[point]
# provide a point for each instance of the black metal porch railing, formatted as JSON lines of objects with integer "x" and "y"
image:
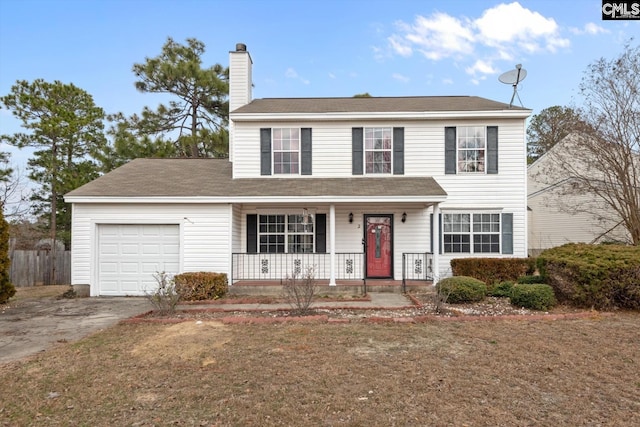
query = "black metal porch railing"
{"x": 416, "y": 266}
{"x": 349, "y": 266}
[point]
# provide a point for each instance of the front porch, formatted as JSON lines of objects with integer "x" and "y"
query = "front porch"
{"x": 349, "y": 287}
{"x": 338, "y": 273}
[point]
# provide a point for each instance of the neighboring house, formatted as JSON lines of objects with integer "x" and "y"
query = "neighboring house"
{"x": 557, "y": 213}
{"x": 355, "y": 187}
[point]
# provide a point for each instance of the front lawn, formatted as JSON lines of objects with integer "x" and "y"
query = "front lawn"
{"x": 570, "y": 372}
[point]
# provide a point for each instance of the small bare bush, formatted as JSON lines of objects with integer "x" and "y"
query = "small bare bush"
{"x": 164, "y": 298}
{"x": 440, "y": 297}
{"x": 300, "y": 290}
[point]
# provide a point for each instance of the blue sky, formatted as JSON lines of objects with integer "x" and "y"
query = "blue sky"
{"x": 314, "y": 48}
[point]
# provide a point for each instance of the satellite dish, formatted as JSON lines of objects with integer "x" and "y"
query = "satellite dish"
{"x": 514, "y": 77}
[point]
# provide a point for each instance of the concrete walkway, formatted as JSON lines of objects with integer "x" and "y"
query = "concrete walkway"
{"x": 378, "y": 300}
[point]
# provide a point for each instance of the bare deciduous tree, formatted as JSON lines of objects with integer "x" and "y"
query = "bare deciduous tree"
{"x": 14, "y": 195}
{"x": 599, "y": 167}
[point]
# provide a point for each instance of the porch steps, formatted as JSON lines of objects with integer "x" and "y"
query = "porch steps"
{"x": 352, "y": 287}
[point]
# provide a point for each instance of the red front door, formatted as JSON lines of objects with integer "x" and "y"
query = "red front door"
{"x": 378, "y": 248}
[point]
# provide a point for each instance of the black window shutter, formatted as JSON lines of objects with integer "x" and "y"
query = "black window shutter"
{"x": 439, "y": 230}
{"x": 431, "y": 231}
{"x": 492, "y": 149}
{"x": 398, "y": 151}
{"x": 265, "y": 151}
{"x": 441, "y": 235}
{"x": 449, "y": 150}
{"x": 321, "y": 233}
{"x": 507, "y": 233}
{"x": 306, "y": 154}
{"x": 357, "y": 137}
{"x": 252, "y": 234}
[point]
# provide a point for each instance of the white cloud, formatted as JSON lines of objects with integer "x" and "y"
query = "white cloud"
{"x": 505, "y": 32}
{"x": 400, "y": 77}
{"x": 589, "y": 28}
{"x": 481, "y": 67}
{"x": 511, "y": 25}
{"x": 332, "y": 76}
{"x": 436, "y": 37}
{"x": 400, "y": 46}
{"x": 447, "y": 81}
{"x": 293, "y": 74}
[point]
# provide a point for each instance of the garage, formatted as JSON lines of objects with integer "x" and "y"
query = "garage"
{"x": 130, "y": 254}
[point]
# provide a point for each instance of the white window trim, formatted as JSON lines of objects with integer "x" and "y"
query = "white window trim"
{"x": 299, "y": 151}
{"x": 364, "y": 151}
{"x": 286, "y": 232}
{"x": 458, "y": 149}
{"x": 471, "y": 233}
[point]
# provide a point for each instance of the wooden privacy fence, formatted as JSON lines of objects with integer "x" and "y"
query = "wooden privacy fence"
{"x": 33, "y": 268}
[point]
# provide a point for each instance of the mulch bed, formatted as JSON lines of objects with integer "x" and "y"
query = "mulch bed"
{"x": 420, "y": 309}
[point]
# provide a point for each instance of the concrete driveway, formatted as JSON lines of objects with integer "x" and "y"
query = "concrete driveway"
{"x": 33, "y": 325}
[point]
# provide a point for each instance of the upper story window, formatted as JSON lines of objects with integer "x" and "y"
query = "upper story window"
{"x": 471, "y": 233}
{"x": 471, "y": 149}
{"x": 377, "y": 150}
{"x": 286, "y": 150}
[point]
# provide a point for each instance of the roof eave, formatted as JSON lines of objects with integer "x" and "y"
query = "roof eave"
{"x": 438, "y": 198}
{"x": 411, "y": 115}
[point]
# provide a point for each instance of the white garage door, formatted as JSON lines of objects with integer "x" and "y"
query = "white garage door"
{"x": 129, "y": 256}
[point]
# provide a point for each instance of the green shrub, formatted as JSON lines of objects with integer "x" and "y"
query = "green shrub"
{"x": 7, "y": 290}
{"x": 533, "y": 296}
{"x": 599, "y": 276}
{"x": 462, "y": 289}
{"x": 201, "y": 285}
{"x": 524, "y": 280}
{"x": 493, "y": 270}
{"x": 502, "y": 289}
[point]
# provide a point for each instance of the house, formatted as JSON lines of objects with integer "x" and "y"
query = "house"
{"x": 354, "y": 187}
{"x": 559, "y": 214}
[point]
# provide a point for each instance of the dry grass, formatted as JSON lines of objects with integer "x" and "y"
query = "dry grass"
{"x": 515, "y": 373}
{"x": 37, "y": 292}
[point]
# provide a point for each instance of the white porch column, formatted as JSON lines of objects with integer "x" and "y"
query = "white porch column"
{"x": 332, "y": 245}
{"x": 436, "y": 243}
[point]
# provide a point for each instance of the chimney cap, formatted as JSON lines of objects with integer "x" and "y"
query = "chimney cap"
{"x": 241, "y": 47}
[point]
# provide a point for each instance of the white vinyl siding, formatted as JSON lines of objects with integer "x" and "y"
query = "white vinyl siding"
{"x": 205, "y": 234}
{"x": 504, "y": 192}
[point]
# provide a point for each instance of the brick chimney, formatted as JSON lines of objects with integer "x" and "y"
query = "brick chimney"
{"x": 239, "y": 77}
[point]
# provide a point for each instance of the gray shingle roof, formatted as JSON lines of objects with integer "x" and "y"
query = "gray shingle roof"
{"x": 373, "y": 105}
{"x": 212, "y": 178}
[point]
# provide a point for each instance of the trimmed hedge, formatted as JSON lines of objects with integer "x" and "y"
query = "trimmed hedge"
{"x": 600, "y": 276}
{"x": 533, "y": 296}
{"x": 201, "y": 285}
{"x": 462, "y": 289}
{"x": 493, "y": 270}
{"x": 502, "y": 289}
{"x": 524, "y": 280}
